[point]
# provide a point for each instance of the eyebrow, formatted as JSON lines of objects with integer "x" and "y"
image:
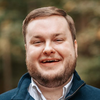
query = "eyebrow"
{"x": 57, "y": 34}
{"x": 39, "y": 36}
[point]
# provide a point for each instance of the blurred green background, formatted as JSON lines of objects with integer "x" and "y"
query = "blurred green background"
{"x": 86, "y": 14}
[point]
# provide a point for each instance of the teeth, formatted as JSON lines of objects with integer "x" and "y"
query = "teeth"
{"x": 56, "y": 60}
{"x": 43, "y": 61}
{"x": 50, "y": 61}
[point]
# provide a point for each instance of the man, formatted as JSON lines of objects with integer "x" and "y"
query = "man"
{"x": 51, "y": 54}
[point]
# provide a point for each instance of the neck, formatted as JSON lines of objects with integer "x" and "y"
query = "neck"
{"x": 52, "y": 93}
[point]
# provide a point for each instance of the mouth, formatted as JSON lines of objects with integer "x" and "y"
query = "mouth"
{"x": 50, "y": 61}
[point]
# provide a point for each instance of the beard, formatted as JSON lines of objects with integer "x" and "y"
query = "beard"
{"x": 52, "y": 81}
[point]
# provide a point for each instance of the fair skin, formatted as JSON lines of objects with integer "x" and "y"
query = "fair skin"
{"x": 50, "y": 54}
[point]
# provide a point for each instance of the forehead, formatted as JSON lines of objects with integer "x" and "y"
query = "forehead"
{"x": 54, "y": 19}
{"x": 50, "y": 24}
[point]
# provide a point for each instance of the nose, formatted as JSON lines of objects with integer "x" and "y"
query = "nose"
{"x": 48, "y": 49}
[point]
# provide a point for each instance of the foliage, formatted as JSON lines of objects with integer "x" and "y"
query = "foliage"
{"x": 87, "y": 19}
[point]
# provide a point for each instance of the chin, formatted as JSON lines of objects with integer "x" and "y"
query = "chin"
{"x": 51, "y": 78}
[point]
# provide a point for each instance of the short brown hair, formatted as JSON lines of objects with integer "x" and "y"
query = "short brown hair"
{"x": 48, "y": 11}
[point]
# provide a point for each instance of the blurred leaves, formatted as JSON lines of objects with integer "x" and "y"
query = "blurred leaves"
{"x": 86, "y": 15}
{"x": 83, "y": 7}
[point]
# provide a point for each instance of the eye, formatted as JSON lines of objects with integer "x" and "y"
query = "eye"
{"x": 37, "y": 42}
{"x": 58, "y": 40}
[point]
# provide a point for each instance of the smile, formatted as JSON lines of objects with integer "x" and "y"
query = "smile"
{"x": 50, "y": 61}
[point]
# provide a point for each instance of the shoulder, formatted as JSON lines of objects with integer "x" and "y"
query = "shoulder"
{"x": 90, "y": 92}
{"x": 7, "y": 95}
{"x": 21, "y": 88}
{"x": 91, "y": 89}
{"x": 82, "y": 91}
{"x": 88, "y": 88}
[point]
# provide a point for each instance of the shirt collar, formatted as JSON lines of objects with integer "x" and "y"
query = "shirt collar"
{"x": 66, "y": 88}
{"x": 34, "y": 85}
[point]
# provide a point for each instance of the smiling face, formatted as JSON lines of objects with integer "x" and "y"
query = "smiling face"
{"x": 50, "y": 51}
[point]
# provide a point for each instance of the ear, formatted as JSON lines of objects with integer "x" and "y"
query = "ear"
{"x": 76, "y": 47}
{"x": 25, "y": 46}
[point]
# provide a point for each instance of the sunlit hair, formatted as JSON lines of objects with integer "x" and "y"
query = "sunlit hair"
{"x": 48, "y": 11}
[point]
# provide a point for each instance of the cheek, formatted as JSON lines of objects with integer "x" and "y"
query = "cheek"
{"x": 63, "y": 50}
{"x": 33, "y": 53}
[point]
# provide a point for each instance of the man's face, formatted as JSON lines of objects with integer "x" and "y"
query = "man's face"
{"x": 50, "y": 52}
